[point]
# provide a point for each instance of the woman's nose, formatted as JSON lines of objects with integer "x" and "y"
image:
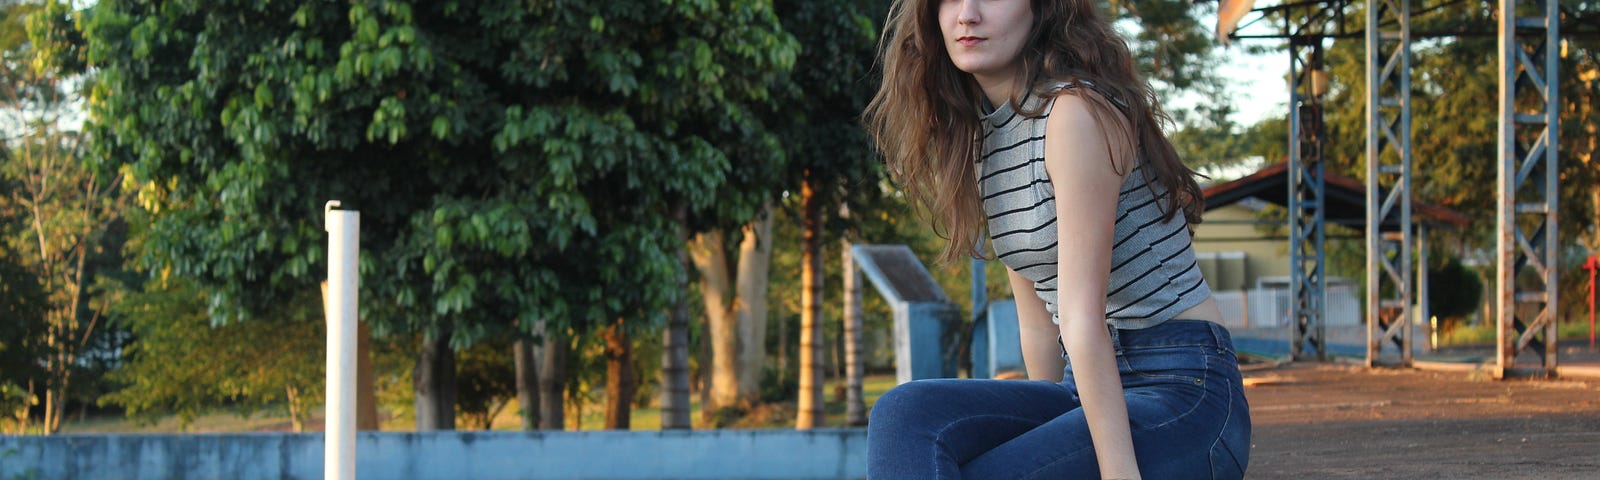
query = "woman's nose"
{"x": 968, "y": 13}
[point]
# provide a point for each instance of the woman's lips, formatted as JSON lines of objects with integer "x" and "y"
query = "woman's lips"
{"x": 969, "y": 41}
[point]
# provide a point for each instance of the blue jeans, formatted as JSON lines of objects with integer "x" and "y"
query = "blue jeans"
{"x": 1186, "y": 407}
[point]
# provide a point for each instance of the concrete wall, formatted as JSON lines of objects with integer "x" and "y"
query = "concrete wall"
{"x": 751, "y": 454}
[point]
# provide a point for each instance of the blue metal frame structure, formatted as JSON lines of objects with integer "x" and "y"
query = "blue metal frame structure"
{"x": 1530, "y": 42}
{"x": 1311, "y": 24}
{"x": 1389, "y": 285}
{"x": 1528, "y": 168}
{"x": 1307, "y": 185}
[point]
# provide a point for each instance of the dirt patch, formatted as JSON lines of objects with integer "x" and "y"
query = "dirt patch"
{"x": 1331, "y": 421}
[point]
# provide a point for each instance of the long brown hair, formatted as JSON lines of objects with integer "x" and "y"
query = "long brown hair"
{"x": 924, "y": 118}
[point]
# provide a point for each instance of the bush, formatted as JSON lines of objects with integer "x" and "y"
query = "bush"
{"x": 778, "y": 386}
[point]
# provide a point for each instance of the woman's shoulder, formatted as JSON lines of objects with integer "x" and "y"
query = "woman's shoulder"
{"x": 1082, "y": 100}
{"x": 1080, "y": 111}
{"x": 1082, "y": 87}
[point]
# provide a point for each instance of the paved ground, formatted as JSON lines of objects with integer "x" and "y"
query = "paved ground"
{"x": 1340, "y": 421}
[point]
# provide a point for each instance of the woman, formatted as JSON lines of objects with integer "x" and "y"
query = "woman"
{"x": 1026, "y": 117}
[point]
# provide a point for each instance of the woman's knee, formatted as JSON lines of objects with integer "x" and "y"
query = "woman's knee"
{"x": 912, "y": 401}
{"x": 906, "y": 397}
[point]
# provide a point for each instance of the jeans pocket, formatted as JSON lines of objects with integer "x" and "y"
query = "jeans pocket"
{"x": 1181, "y": 365}
{"x": 1165, "y": 384}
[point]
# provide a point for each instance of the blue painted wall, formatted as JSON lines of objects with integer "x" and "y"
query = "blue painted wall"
{"x": 707, "y": 454}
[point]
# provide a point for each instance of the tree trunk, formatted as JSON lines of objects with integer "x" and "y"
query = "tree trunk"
{"x": 711, "y": 260}
{"x": 62, "y": 265}
{"x": 1594, "y": 202}
{"x": 56, "y": 386}
{"x": 297, "y": 421}
{"x": 783, "y": 345}
{"x": 434, "y": 383}
{"x": 810, "y": 414}
{"x": 675, "y": 354}
{"x": 527, "y": 383}
{"x": 552, "y": 379}
{"x": 755, "y": 265}
{"x": 855, "y": 406}
{"x": 19, "y": 417}
{"x": 619, "y": 377}
{"x": 366, "y": 382}
{"x": 707, "y": 413}
{"x": 63, "y": 341}
{"x": 736, "y": 310}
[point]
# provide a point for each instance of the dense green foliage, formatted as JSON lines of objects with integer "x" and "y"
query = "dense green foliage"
{"x": 61, "y": 222}
{"x": 181, "y": 364}
{"x": 511, "y": 161}
{"x": 1454, "y": 291}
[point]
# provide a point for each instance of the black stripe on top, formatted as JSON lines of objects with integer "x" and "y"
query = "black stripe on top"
{"x": 1026, "y": 141}
{"x": 1020, "y": 209}
{"x": 1151, "y": 247}
{"x": 1156, "y": 290}
{"x": 1130, "y": 259}
{"x": 1015, "y": 189}
{"x": 1010, "y": 168}
{"x": 1029, "y": 250}
{"x": 1140, "y": 229}
{"x": 1025, "y": 230}
{"x": 1198, "y": 282}
{"x": 1008, "y": 120}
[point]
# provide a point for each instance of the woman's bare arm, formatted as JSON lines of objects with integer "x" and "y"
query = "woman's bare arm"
{"x": 1086, "y": 183}
{"x": 1041, "y": 355}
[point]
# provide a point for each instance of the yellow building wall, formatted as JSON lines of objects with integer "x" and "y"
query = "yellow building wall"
{"x": 1264, "y": 257}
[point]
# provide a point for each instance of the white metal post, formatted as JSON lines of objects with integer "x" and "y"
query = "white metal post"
{"x": 344, "y": 251}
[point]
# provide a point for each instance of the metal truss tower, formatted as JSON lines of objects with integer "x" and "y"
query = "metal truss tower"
{"x": 1307, "y": 240}
{"x": 1528, "y": 185}
{"x": 1389, "y": 285}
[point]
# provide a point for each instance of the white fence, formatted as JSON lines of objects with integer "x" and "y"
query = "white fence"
{"x": 1268, "y": 305}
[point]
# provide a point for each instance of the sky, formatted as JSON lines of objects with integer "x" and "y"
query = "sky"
{"x": 1257, "y": 84}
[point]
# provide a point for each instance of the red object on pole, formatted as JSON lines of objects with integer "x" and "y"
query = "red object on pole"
{"x": 1593, "y": 266}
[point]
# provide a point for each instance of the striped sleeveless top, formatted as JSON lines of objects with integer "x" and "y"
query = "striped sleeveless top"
{"x": 1154, "y": 275}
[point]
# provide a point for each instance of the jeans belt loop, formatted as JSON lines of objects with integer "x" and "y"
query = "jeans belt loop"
{"x": 1116, "y": 339}
{"x": 1219, "y": 336}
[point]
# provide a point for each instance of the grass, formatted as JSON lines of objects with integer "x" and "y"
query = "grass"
{"x": 1485, "y": 333}
{"x": 649, "y": 418}
{"x": 222, "y": 420}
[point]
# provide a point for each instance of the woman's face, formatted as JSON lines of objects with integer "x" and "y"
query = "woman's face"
{"x": 985, "y": 37}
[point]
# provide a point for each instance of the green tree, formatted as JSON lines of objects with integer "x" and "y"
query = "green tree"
{"x": 513, "y": 162}
{"x": 184, "y": 364}
{"x": 828, "y": 152}
{"x": 486, "y": 376}
{"x": 66, "y": 203}
{"x": 1170, "y": 44}
{"x": 1454, "y": 290}
{"x": 23, "y": 304}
